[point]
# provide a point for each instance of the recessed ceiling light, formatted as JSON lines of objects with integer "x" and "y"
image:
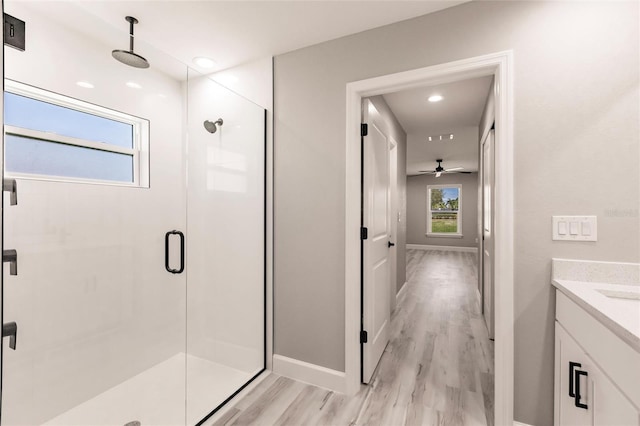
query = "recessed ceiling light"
{"x": 435, "y": 98}
{"x": 445, "y": 137}
{"x": 133, "y": 85}
{"x": 203, "y": 62}
{"x": 85, "y": 84}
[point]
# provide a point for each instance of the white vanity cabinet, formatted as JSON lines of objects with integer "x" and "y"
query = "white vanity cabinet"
{"x": 597, "y": 375}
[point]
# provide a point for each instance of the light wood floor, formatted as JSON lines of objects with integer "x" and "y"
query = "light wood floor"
{"x": 436, "y": 370}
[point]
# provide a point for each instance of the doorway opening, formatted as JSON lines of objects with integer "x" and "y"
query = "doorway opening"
{"x": 499, "y": 66}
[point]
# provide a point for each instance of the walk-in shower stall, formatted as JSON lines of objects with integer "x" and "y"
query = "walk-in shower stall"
{"x": 133, "y": 235}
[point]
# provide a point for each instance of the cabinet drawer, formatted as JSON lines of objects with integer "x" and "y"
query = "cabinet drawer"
{"x": 610, "y": 353}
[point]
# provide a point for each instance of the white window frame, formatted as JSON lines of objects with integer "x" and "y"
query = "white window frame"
{"x": 139, "y": 151}
{"x": 459, "y": 215}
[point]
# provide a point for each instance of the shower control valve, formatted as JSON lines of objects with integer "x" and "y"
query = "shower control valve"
{"x": 10, "y": 330}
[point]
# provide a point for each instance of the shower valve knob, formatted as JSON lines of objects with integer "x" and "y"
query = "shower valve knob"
{"x": 10, "y": 330}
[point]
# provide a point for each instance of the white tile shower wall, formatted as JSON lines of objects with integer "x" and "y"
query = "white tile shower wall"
{"x": 92, "y": 300}
{"x": 226, "y": 213}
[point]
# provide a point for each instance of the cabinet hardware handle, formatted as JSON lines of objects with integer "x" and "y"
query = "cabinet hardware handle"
{"x": 572, "y": 366}
{"x": 578, "y": 396}
{"x": 166, "y": 252}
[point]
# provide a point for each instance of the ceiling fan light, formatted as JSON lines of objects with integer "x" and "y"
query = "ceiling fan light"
{"x": 438, "y": 174}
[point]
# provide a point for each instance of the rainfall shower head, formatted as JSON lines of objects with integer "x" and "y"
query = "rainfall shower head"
{"x": 128, "y": 57}
{"x": 212, "y": 126}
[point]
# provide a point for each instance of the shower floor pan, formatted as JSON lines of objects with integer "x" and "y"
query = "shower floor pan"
{"x": 157, "y": 396}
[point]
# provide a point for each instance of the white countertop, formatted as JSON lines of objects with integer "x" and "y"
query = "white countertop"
{"x": 621, "y": 316}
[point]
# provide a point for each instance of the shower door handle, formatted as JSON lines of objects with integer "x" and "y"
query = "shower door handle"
{"x": 167, "y": 237}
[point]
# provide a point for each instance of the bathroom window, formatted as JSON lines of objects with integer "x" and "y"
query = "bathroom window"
{"x": 55, "y": 137}
{"x": 444, "y": 210}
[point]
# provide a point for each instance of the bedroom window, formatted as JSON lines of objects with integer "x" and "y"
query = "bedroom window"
{"x": 444, "y": 210}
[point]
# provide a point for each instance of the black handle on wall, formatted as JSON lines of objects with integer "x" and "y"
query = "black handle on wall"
{"x": 578, "y": 396}
{"x": 572, "y": 366}
{"x": 166, "y": 252}
{"x": 10, "y": 330}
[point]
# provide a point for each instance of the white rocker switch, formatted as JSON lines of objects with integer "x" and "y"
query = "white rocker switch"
{"x": 573, "y": 228}
{"x": 562, "y": 228}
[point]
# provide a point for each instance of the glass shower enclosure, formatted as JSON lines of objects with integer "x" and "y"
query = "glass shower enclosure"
{"x": 133, "y": 237}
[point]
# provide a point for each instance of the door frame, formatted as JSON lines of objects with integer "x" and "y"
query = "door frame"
{"x": 500, "y": 65}
{"x": 393, "y": 219}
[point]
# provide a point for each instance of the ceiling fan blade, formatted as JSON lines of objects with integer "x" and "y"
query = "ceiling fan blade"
{"x": 454, "y": 169}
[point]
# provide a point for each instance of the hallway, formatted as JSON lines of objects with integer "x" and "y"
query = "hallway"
{"x": 436, "y": 370}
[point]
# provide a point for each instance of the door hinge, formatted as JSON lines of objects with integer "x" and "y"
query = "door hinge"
{"x": 363, "y": 336}
{"x": 364, "y": 233}
{"x": 364, "y": 129}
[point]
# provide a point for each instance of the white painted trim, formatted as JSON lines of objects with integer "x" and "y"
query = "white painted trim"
{"x": 501, "y": 66}
{"x": 309, "y": 373}
{"x": 520, "y": 424}
{"x": 442, "y": 248}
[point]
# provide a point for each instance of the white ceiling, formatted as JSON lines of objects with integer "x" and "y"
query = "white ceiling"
{"x": 236, "y": 32}
{"x": 458, "y": 113}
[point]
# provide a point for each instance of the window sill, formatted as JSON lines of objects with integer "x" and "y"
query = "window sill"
{"x": 430, "y": 235}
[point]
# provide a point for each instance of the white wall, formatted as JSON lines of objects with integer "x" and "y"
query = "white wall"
{"x": 225, "y": 219}
{"x": 576, "y": 103}
{"x": 92, "y": 300}
{"x": 417, "y": 209}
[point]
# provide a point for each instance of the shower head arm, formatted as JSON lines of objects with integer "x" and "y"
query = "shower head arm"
{"x": 132, "y": 21}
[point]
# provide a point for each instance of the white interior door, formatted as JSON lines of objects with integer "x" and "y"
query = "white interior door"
{"x": 376, "y": 253}
{"x": 488, "y": 172}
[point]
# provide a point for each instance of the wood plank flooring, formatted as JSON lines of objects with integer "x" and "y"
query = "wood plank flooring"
{"x": 436, "y": 370}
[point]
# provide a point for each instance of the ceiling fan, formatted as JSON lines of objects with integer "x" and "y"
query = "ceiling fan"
{"x": 439, "y": 170}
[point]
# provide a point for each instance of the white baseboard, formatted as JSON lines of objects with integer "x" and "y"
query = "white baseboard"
{"x": 443, "y": 248}
{"x": 401, "y": 293}
{"x": 520, "y": 424}
{"x": 310, "y": 373}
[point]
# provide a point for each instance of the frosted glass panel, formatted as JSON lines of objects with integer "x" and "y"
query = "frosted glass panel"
{"x": 33, "y": 114}
{"x": 24, "y": 155}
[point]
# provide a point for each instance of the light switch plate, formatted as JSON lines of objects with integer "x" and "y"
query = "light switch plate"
{"x": 574, "y": 228}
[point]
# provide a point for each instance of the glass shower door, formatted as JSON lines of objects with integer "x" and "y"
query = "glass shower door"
{"x": 97, "y": 156}
{"x": 226, "y": 245}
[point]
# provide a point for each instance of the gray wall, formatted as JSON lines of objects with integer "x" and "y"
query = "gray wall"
{"x": 417, "y": 209}
{"x": 576, "y": 104}
{"x": 394, "y": 129}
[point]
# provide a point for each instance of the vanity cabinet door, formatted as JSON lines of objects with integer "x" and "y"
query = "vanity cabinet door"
{"x": 600, "y": 402}
{"x": 573, "y": 382}
{"x": 612, "y": 408}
